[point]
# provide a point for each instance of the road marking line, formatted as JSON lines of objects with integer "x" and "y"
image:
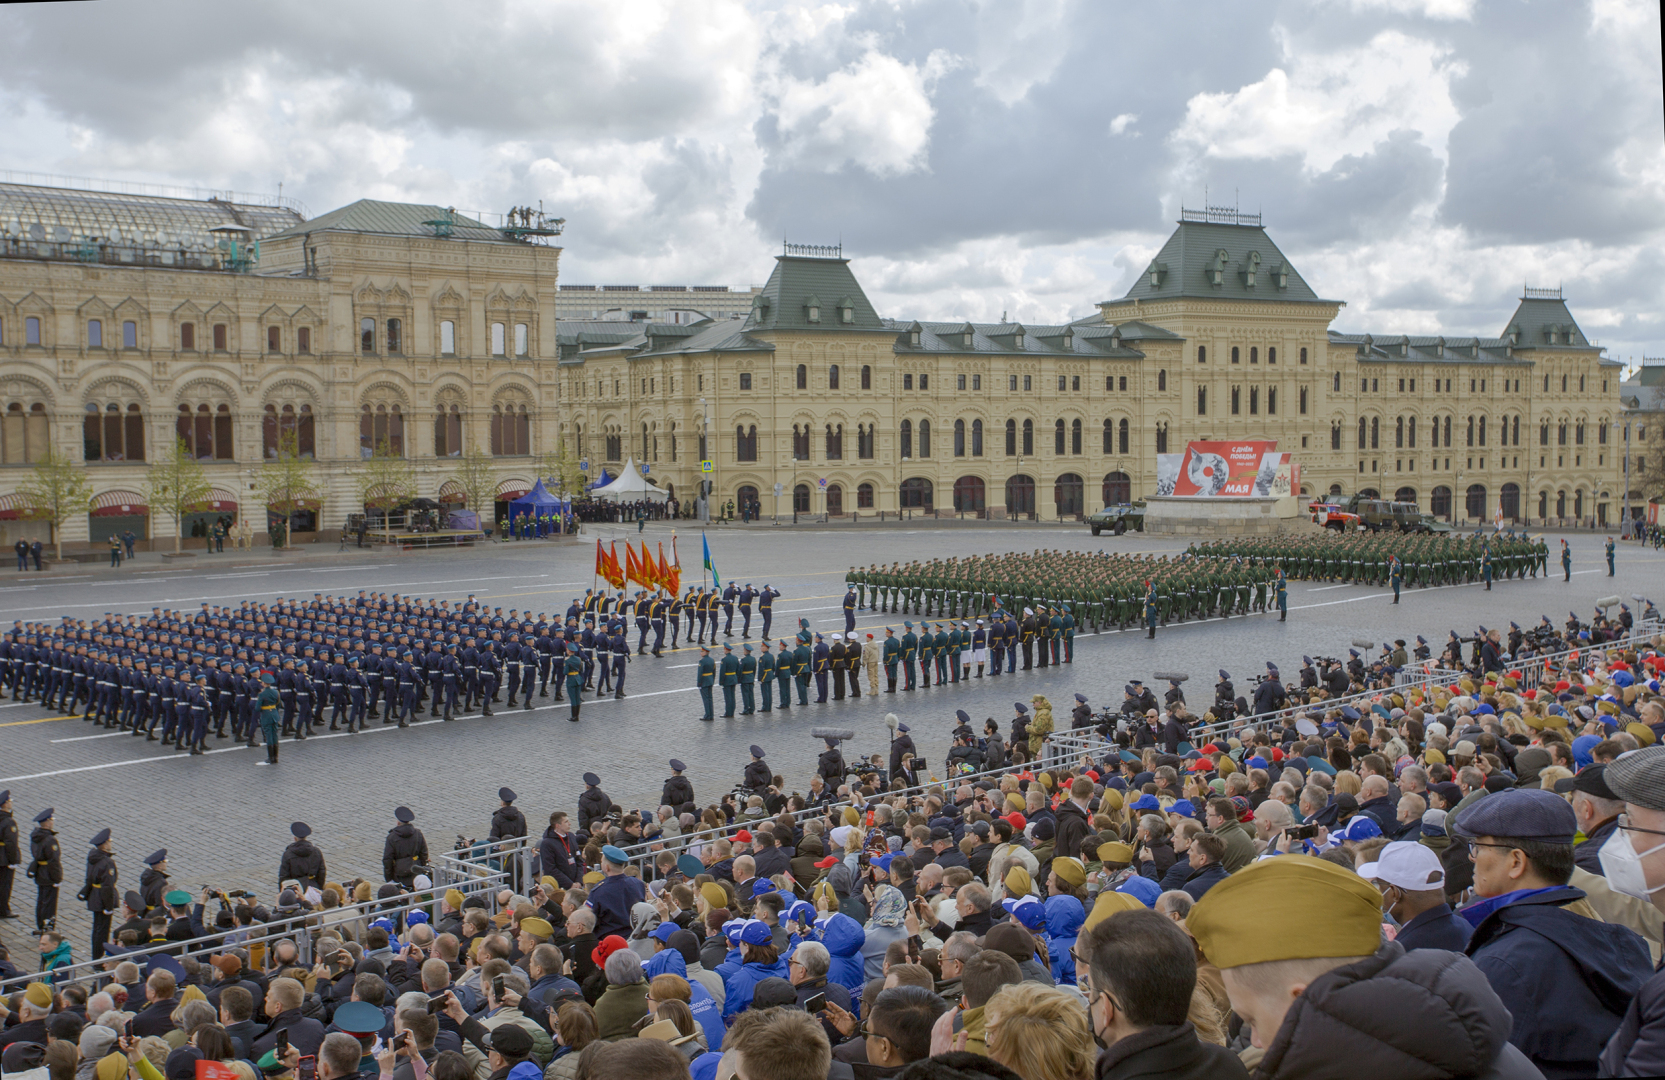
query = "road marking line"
{"x": 42, "y": 720}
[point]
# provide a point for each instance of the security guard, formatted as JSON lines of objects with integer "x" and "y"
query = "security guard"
{"x": 10, "y": 854}
{"x": 99, "y": 892}
{"x": 47, "y": 868}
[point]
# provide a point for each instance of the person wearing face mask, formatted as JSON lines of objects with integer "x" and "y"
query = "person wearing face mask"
{"x": 1412, "y": 884}
{"x": 1634, "y": 861}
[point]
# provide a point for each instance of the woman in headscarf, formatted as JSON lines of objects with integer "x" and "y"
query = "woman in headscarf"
{"x": 643, "y": 918}
{"x": 884, "y": 926}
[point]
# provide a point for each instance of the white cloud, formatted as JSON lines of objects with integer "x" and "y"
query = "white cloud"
{"x": 1018, "y": 44}
{"x": 1325, "y": 104}
{"x": 1122, "y": 122}
{"x": 876, "y": 114}
{"x": 1428, "y": 9}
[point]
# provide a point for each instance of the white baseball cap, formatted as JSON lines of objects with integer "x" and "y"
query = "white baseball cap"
{"x": 1408, "y": 865}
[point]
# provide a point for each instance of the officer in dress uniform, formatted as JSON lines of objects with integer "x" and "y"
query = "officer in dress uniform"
{"x": 573, "y": 672}
{"x": 706, "y": 679}
{"x": 758, "y": 775}
{"x": 822, "y": 657}
{"x": 765, "y": 675}
{"x": 729, "y": 678}
{"x": 405, "y": 849}
{"x": 850, "y": 610}
{"x": 302, "y": 861}
{"x": 46, "y": 867}
{"x": 747, "y": 595}
{"x": 766, "y": 606}
{"x": 658, "y": 607}
{"x": 836, "y": 660}
{"x": 641, "y": 610}
{"x": 729, "y": 595}
{"x": 748, "y": 680}
{"x": 509, "y": 824}
{"x": 99, "y": 891}
{"x": 10, "y": 853}
{"x": 621, "y": 657}
{"x": 783, "y": 672}
{"x": 153, "y": 883}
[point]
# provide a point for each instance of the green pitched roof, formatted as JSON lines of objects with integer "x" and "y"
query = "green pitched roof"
{"x": 1216, "y": 261}
{"x": 396, "y": 219}
{"x": 799, "y": 280}
{"x": 1541, "y": 322}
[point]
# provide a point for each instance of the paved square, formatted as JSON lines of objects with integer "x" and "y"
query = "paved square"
{"x": 224, "y": 817}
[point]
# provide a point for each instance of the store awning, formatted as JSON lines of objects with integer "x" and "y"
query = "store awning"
{"x": 510, "y": 490}
{"x": 11, "y": 507}
{"x": 120, "y": 504}
{"x": 221, "y": 501}
{"x": 300, "y": 504}
{"x": 452, "y": 492}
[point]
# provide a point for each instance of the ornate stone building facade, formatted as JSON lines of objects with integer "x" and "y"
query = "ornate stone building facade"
{"x": 128, "y": 322}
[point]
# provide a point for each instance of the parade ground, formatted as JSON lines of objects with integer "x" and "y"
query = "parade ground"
{"x": 224, "y": 816}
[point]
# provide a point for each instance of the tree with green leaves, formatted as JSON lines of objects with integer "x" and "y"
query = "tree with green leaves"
{"x": 563, "y": 466}
{"x": 178, "y": 484}
{"x": 386, "y": 479}
{"x": 477, "y": 476}
{"x": 283, "y": 485}
{"x": 54, "y": 491}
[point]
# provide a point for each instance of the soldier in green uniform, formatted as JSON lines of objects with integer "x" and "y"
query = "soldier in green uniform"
{"x": 1151, "y": 608}
{"x": 728, "y": 677}
{"x": 748, "y": 680}
{"x": 765, "y": 673}
{"x": 783, "y": 672}
{"x": 706, "y": 680}
{"x": 910, "y": 649}
{"x": 802, "y": 660}
{"x": 892, "y": 654}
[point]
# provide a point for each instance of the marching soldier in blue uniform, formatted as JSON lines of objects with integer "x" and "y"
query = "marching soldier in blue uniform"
{"x": 850, "y": 609}
{"x": 729, "y": 595}
{"x": 642, "y": 624}
{"x": 621, "y": 657}
{"x": 706, "y": 680}
{"x": 802, "y": 663}
{"x": 656, "y": 618}
{"x": 729, "y": 678}
{"x": 1283, "y": 596}
{"x": 1396, "y": 575}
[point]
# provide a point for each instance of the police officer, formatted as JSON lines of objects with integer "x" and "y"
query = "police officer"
{"x": 46, "y": 867}
{"x": 706, "y": 679}
{"x": 10, "y": 854}
{"x": 302, "y": 861}
{"x": 99, "y": 891}
{"x": 758, "y": 775}
{"x": 405, "y": 849}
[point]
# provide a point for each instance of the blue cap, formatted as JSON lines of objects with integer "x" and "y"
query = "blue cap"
{"x": 43, "y": 816}
{"x": 756, "y": 932}
{"x": 1145, "y": 802}
{"x": 1026, "y": 911}
{"x": 1142, "y": 889}
{"x": 592, "y": 779}
{"x": 963, "y": 716}
{"x": 615, "y": 855}
{"x": 1020, "y": 706}
{"x": 802, "y": 912}
{"x": 662, "y": 933}
{"x": 883, "y": 862}
{"x": 901, "y": 728}
{"x": 731, "y": 930}
{"x": 1082, "y": 698}
{"x": 677, "y": 766}
{"x": 403, "y": 813}
{"x": 1520, "y": 814}
{"x": 157, "y": 857}
{"x": 757, "y": 751}
{"x": 761, "y": 886}
{"x": 1225, "y": 676}
{"x": 101, "y": 837}
{"x": 1183, "y": 808}
{"x": 1364, "y": 827}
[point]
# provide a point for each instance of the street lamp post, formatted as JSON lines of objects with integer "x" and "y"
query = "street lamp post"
{"x": 705, "y": 444}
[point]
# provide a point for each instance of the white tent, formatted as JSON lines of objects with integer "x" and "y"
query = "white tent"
{"x": 631, "y": 486}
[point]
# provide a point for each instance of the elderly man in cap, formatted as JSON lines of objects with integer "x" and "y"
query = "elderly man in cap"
{"x": 1333, "y": 999}
{"x": 1596, "y": 809}
{"x": 1566, "y": 978}
{"x": 612, "y": 897}
{"x": 1633, "y": 858}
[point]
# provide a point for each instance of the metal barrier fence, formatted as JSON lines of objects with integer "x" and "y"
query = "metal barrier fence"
{"x": 300, "y": 928}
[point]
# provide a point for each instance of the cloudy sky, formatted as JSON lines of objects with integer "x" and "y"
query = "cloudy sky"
{"x": 1420, "y": 159}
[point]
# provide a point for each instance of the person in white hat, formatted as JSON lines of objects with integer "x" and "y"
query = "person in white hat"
{"x": 1412, "y": 883}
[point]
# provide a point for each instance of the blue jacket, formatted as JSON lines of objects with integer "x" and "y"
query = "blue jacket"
{"x": 1064, "y": 916}
{"x": 1203, "y": 880}
{"x": 739, "y": 984}
{"x": 1566, "y": 980}
{"x": 844, "y": 937}
{"x": 700, "y": 1002}
{"x": 1436, "y": 928}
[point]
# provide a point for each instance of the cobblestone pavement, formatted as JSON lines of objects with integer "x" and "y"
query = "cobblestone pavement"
{"x": 224, "y": 817}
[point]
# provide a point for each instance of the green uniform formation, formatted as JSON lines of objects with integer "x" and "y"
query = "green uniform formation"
{"x": 1366, "y": 559}
{"x": 1095, "y": 589}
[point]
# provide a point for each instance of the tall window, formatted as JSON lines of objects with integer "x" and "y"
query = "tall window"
{"x": 1271, "y": 401}
{"x": 378, "y": 426}
{"x": 274, "y": 339}
{"x": 523, "y": 340}
{"x": 511, "y": 433}
{"x": 25, "y": 433}
{"x": 924, "y": 438}
{"x": 1254, "y": 399}
{"x": 220, "y": 337}
{"x": 129, "y": 334}
{"x": 1364, "y": 429}
{"x": 1123, "y": 434}
{"x": 448, "y": 338}
{"x": 1236, "y": 400}
{"x": 864, "y": 442}
{"x": 1337, "y": 387}
{"x": 800, "y": 442}
{"x": 1011, "y": 438}
{"x": 448, "y": 432}
{"x": 95, "y": 333}
{"x": 366, "y": 336}
{"x": 1375, "y": 431}
{"x": 1303, "y": 401}
{"x": 31, "y": 330}
{"x": 803, "y": 377}
{"x": 395, "y": 336}
{"x": 112, "y": 433}
{"x": 1303, "y": 356}
{"x": 1399, "y": 433}
{"x": 832, "y": 377}
{"x": 207, "y": 431}
{"x": 835, "y": 442}
{"x": 499, "y": 341}
{"x": 1410, "y": 433}
{"x": 1335, "y": 436}
{"x": 1254, "y": 354}
{"x": 959, "y": 437}
{"x": 1202, "y": 410}
{"x": 1271, "y": 355}
{"x": 976, "y": 438}
{"x": 1162, "y": 438}
{"x": 1058, "y": 438}
{"x": 1202, "y": 354}
{"x": 745, "y": 440}
{"x": 867, "y": 377}
{"x": 864, "y": 496}
{"x": 907, "y": 438}
{"x": 1075, "y": 437}
{"x": 1029, "y": 437}
{"x": 1162, "y": 379}
{"x": 280, "y": 426}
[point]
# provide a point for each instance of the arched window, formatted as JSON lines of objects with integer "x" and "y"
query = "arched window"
{"x": 1075, "y": 437}
{"x": 1162, "y": 379}
{"x": 864, "y": 496}
{"x": 1118, "y": 489}
{"x": 1236, "y": 357}
{"x": 747, "y": 495}
{"x": 1011, "y": 438}
{"x": 1482, "y": 431}
{"x": 1254, "y": 354}
{"x": 499, "y": 340}
{"x": 924, "y": 438}
{"x": 1020, "y": 495}
{"x": 1335, "y": 435}
{"x": 969, "y": 494}
{"x": 800, "y": 442}
{"x": 800, "y": 499}
{"x": 803, "y": 376}
{"x": 1410, "y": 433}
{"x": 511, "y": 431}
{"x": 1161, "y": 438}
{"x": 1067, "y": 495}
{"x": 1109, "y": 436}
{"x": 1029, "y": 437}
{"x": 1405, "y": 495}
{"x": 907, "y": 439}
{"x": 448, "y": 432}
{"x": 1303, "y": 356}
{"x": 1375, "y": 432}
{"x": 835, "y": 442}
{"x": 1508, "y": 500}
{"x": 864, "y": 442}
{"x": 976, "y": 438}
{"x": 113, "y": 433}
{"x": 866, "y": 384}
{"x": 523, "y": 339}
{"x": 745, "y": 440}
{"x": 1476, "y": 508}
{"x": 366, "y": 336}
{"x": 381, "y": 425}
{"x": 832, "y": 377}
{"x": 915, "y": 493}
{"x": 207, "y": 431}
{"x": 395, "y": 336}
{"x": 1399, "y": 433}
{"x": 1364, "y": 429}
{"x": 959, "y": 438}
{"x": 1271, "y": 355}
{"x": 287, "y": 428}
{"x": 1337, "y": 387}
{"x": 1058, "y": 438}
{"x": 1439, "y": 503}
{"x": 25, "y": 434}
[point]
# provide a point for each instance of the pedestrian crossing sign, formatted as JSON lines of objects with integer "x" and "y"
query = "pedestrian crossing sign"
{"x": 707, "y": 466}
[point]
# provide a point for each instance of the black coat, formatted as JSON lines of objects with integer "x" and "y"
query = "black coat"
{"x": 405, "y": 848}
{"x": 305, "y": 1033}
{"x": 830, "y": 767}
{"x": 1637, "y": 1048}
{"x": 1173, "y": 1053}
{"x": 45, "y": 859}
{"x": 902, "y": 744}
{"x": 678, "y": 792}
{"x": 152, "y": 885}
{"x": 10, "y": 853}
{"x": 1429, "y": 1010}
{"x": 559, "y": 859}
{"x": 302, "y": 862}
{"x": 100, "y": 891}
{"x": 593, "y": 805}
{"x": 1269, "y": 696}
{"x": 1073, "y": 828}
{"x": 507, "y": 824}
{"x": 155, "y": 1019}
{"x": 758, "y": 775}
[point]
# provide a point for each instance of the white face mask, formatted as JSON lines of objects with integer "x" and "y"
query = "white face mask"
{"x": 1622, "y": 865}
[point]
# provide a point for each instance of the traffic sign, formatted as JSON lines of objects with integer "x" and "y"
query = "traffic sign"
{"x": 778, "y": 489}
{"x": 584, "y": 466}
{"x": 708, "y": 466}
{"x": 822, "y": 481}
{"x": 644, "y": 468}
